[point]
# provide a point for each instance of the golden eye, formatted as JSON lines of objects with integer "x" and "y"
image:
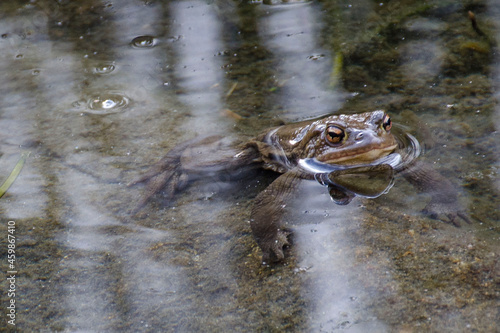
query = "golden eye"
{"x": 387, "y": 123}
{"x": 334, "y": 134}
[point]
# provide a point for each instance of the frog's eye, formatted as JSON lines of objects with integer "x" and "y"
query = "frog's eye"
{"x": 334, "y": 134}
{"x": 387, "y": 123}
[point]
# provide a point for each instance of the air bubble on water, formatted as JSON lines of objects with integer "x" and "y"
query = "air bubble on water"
{"x": 108, "y": 104}
{"x": 144, "y": 42}
{"x": 104, "y": 69}
{"x": 105, "y": 103}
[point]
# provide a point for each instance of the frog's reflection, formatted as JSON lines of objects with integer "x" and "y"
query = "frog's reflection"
{"x": 366, "y": 181}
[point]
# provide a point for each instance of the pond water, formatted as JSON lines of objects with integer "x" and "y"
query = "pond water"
{"x": 99, "y": 91}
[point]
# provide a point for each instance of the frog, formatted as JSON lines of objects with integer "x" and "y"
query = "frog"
{"x": 326, "y": 150}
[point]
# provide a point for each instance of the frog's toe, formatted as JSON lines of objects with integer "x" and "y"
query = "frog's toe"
{"x": 452, "y": 218}
{"x": 455, "y": 217}
{"x": 167, "y": 182}
{"x": 274, "y": 251}
{"x": 446, "y": 212}
{"x": 464, "y": 216}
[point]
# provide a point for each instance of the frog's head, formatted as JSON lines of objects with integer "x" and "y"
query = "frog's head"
{"x": 352, "y": 139}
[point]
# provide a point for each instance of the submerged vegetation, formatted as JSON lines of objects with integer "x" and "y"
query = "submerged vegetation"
{"x": 13, "y": 175}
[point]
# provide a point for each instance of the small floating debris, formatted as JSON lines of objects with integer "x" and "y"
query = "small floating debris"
{"x": 472, "y": 18}
{"x": 231, "y": 114}
{"x": 316, "y": 57}
{"x": 336, "y": 74}
{"x": 231, "y": 90}
{"x": 173, "y": 39}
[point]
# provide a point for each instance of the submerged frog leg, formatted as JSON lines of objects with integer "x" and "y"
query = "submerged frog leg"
{"x": 267, "y": 215}
{"x": 164, "y": 175}
{"x": 444, "y": 200}
{"x": 183, "y": 163}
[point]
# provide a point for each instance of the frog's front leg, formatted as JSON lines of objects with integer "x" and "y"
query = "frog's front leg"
{"x": 444, "y": 200}
{"x": 267, "y": 215}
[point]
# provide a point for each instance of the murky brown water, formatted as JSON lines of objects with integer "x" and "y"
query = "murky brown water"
{"x": 99, "y": 91}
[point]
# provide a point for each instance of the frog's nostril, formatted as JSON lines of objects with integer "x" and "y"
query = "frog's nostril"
{"x": 359, "y": 136}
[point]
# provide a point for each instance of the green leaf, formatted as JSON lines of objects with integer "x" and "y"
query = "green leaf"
{"x": 13, "y": 175}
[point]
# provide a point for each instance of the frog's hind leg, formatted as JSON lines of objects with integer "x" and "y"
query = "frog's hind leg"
{"x": 166, "y": 175}
{"x": 192, "y": 160}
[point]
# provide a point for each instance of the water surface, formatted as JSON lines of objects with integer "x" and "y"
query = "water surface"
{"x": 100, "y": 91}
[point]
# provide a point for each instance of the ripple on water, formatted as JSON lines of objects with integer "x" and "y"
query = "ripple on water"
{"x": 144, "y": 42}
{"x": 106, "y": 103}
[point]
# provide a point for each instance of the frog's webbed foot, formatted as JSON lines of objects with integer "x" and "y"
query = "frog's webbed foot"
{"x": 438, "y": 210}
{"x": 272, "y": 249}
{"x": 165, "y": 176}
{"x": 267, "y": 216}
{"x": 444, "y": 204}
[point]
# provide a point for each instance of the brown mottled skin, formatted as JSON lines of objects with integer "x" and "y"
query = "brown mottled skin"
{"x": 338, "y": 139}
